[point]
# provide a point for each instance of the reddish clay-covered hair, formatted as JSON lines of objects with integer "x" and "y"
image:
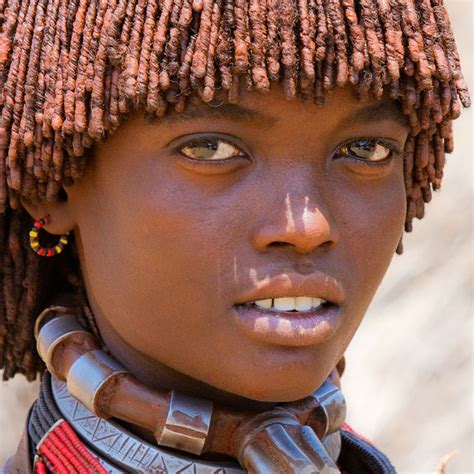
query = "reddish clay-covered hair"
{"x": 72, "y": 70}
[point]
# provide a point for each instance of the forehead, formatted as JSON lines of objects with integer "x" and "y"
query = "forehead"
{"x": 271, "y": 109}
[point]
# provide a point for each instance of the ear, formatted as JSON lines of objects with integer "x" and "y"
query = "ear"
{"x": 60, "y": 222}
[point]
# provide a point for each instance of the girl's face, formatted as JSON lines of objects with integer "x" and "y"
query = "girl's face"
{"x": 184, "y": 223}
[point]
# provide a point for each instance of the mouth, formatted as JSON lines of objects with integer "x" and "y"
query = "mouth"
{"x": 298, "y": 304}
{"x": 292, "y": 311}
{"x": 290, "y": 326}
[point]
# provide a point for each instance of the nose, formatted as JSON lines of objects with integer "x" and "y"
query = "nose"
{"x": 298, "y": 224}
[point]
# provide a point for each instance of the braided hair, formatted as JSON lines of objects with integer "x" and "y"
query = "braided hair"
{"x": 72, "y": 70}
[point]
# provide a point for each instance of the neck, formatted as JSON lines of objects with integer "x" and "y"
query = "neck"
{"x": 158, "y": 376}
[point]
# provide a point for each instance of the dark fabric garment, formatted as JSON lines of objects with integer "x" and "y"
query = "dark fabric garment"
{"x": 359, "y": 456}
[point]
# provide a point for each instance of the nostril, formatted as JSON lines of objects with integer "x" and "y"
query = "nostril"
{"x": 327, "y": 245}
{"x": 278, "y": 244}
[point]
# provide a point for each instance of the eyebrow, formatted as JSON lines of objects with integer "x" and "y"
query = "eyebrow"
{"x": 234, "y": 112}
{"x": 377, "y": 113}
{"x": 238, "y": 113}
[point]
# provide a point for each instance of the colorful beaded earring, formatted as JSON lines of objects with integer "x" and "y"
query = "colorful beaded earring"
{"x": 46, "y": 251}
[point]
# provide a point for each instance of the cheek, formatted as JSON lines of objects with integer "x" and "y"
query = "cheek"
{"x": 170, "y": 248}
{"x": 374, "y": 205}
{"x": 372, "y": 216}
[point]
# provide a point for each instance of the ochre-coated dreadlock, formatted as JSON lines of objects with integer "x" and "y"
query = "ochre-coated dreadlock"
{"x": 71, "y": 70}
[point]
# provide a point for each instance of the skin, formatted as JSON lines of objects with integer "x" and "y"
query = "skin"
{"x": 169, "y": 244}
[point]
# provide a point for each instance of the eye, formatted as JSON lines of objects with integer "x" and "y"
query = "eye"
{"x": 212, "y": 149}
{"x": 367, "y": 150}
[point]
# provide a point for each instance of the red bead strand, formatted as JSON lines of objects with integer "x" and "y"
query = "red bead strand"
{"x": 64, "y": 453}
{"x": 57, "y": 465}
{"x": 40, "y": 467}
{"x": 60, "y": 455}
{"x": 77, "y": 444}
{"x": 63, "y": 444}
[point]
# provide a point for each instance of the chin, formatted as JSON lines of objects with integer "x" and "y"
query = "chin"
{"x": 276, "y": 374}
{"x": 280, "y": 394}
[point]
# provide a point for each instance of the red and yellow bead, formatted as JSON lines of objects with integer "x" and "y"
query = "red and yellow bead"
{"x": 34, "y": 240}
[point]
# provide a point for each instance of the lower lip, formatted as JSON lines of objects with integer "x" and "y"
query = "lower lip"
{"x": 292, "y": 329}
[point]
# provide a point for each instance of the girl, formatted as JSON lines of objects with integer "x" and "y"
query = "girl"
{"x": 223, "y": 185}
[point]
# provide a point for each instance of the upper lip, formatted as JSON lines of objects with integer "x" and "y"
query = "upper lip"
{"x": 287, "y": 284}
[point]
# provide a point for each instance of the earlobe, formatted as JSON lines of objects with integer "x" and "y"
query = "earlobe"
{"x": 60, "y": 219}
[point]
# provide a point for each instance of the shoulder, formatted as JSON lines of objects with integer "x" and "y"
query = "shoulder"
{"x": 20, "y": 462}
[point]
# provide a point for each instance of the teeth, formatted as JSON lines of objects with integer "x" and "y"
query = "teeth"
{"x": 317, "y": 302}
{"x": 300, "y": 303}
{"x": 303, "y": 303}
{"x": 264, "y": 303}
{"x": 284, "y": 304}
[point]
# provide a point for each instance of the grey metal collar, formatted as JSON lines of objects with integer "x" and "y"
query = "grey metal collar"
{"x": 122, "y": 452}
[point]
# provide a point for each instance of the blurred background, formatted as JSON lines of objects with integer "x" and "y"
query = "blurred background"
{"x": 409, "y": 379}
{"x": 409, "y": 376}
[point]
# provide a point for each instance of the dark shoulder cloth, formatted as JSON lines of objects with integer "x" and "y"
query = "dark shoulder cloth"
{"x": 360, "y": 456}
